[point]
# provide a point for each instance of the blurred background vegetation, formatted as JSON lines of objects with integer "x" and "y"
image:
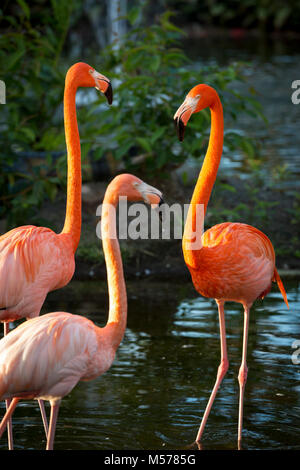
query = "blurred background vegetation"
{"x": 140, "y": 46}
{"x": 266, "y": 15}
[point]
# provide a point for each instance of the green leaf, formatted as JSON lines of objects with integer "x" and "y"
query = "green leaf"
{"x": 133, "y": 15}
{"x": 248, "y": 148}
{"x": 122, "y": 150}
{"x": 157, "y": 134}
{"x": 155, "y": 63}
{"x": 29, "y": 133}
{"x": 228, "y": 187}
{"x": 13, "y": 59}
{"x": 25, "y": 8}
{"x": 98, "y": 153}
{"x": 281, "y": 16}
{"x": 144, "y": 143}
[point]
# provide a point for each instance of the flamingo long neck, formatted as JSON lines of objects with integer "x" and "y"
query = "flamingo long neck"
{"x": 72, "y": 224}
{"x": 117, "y": 316}
{"x": 197, "y": 209}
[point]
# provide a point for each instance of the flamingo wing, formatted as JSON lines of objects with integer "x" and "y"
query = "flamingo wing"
{"x": 46, "y": 356}
{"x": 33, "y": 261}
{"x": 236, "y": 262}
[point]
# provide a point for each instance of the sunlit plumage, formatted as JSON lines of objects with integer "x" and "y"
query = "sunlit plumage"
{"x": 35, "y": 260}
{"x": 45, "y": 357}
{"x": 231, "y": 261}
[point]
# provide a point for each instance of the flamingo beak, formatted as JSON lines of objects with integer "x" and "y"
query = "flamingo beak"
{"x": 103, "y": 84}
{"x": 109, "y": 94}
{"x": 183, "y": 114}
{"x": 160, "y": 215}
{"x": 181, "y": 118}
{"x": 180, "y": 128}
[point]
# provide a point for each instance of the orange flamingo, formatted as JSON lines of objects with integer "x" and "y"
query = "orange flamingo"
{"x": 45, "y": 357}
{"x": 230, "y": 261}
{"x": 35, "y": 260}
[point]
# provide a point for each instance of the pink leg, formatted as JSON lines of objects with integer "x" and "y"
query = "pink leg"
{"x": 44, "y": 417}
{"x": 9, "y": 423}
{"x": 52, "y": 426}
{"x": 223, "y": 367}
{"x": 8, "y": 414}
{"x": 9, "y": 428}
{"x": 243, "y": 372}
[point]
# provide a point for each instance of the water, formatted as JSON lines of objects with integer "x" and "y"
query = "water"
{"x": 155, "y": 393}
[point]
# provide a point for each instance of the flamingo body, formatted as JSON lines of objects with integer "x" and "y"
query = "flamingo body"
{"x": 45, "y": 357}
{"x": 236, "y": 263}
{"x": 33, "y": 261}
{"x": 66, "y": 349}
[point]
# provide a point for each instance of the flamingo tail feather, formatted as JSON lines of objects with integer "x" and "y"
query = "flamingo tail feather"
{"x": 277, "y": 279}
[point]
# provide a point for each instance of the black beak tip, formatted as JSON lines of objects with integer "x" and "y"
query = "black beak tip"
{"x": 160, "y": 215}
{"x": 180, "y": 128}
{"x": 109, "y": 94}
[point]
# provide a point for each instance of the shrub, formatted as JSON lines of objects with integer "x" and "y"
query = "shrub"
{"x": 151, "y": 74}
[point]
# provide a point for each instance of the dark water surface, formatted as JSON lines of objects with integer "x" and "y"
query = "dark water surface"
{"x": 155, "y": 393}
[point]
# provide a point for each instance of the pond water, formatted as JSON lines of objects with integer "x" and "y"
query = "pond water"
{"x": 155, "y": 393}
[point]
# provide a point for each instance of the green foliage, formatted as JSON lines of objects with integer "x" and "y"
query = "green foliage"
{"x": 295, "y": 211}
{"x": 152, "y": 75}
{"x": 262, "y": 14}
{"x": 30, "y": 49}
{"x": 90, "y": 251}
{"x": 251, "y": 207}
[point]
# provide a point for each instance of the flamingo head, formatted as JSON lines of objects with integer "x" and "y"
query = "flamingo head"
{"x": 135, "y": 190}
{"x": 200, "y": 97}
{"x": 86, "y": 76}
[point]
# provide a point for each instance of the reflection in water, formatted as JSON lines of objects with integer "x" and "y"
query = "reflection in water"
{"x": 155, "y": 393}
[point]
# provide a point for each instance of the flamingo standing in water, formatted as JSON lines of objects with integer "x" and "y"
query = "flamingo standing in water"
{"x": 45, "y": 357}
{"x": 35, "y": 260}
{"x": 230, "y": 261}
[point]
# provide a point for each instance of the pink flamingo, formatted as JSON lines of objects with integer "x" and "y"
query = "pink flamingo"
{"x": 45, "y": 357}
{"x": 230, "y": 261}
{"x": 35, "y": 260}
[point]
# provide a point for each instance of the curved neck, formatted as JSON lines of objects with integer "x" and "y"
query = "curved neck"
{"x": 117, "y": 316}
{"x": 197, "y": 209}
{"x": 72, "y": 224}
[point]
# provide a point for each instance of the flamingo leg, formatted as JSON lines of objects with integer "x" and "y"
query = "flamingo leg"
{"x": 9, "y": 423}
{"x": 9, "y": 428}
{"x": 242, "y": 377}
{"x": 52, "y": 425}
{"x": 8, "y": 414}
{"x": 44, "y": 417}
{"x": 223, "y": 367}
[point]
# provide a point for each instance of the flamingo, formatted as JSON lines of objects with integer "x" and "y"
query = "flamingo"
{"x": 35, "y": 260}
{"x": 45, "y": 357}
{"x": 230, "y": 261}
